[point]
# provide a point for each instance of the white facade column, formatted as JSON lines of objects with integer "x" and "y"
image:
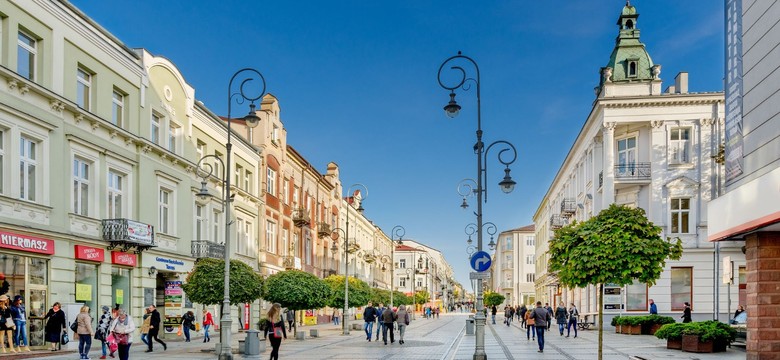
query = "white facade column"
{"x": 658, "y": 160}
{"x": 608, "y": 188}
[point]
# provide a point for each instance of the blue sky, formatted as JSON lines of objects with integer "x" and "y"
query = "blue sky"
{"x": 357, "y": 84}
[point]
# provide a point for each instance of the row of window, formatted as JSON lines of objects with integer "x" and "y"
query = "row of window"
{"x": 28, "y": 163}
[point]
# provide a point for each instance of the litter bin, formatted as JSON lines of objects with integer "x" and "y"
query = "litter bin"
{"x": 252, "y": 343}
{"x": 470, "y": 326}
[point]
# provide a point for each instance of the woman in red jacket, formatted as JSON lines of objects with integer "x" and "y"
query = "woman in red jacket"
{"x": 207, "y": 322}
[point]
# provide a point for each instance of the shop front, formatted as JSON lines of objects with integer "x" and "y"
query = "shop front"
{"x": 24, "y": 272}
{"x": 169, "y": 298}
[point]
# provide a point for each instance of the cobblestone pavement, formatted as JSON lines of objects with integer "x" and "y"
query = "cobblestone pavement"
{"x": 432, "y": 339}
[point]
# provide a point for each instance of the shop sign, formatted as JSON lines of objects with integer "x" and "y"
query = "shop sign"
{"x": 27, "y": 243}
{"x": 122, "y": 258}
{"x": 173, "y": 294}
{"x": 128, "y": 231}
{"x": 89, "y": 253}
{"x": 167, "y": 264}
{"x": 613, "y": 297}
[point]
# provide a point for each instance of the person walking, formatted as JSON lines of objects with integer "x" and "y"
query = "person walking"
{"x": 653, "y": 308}
{"x": 369, "y": 316}
{"x": 573, "y": 315}
{"x": 208, "y": 321}
{"x": 55, "y": 325}
{"x": 188, "y": 323}
{"x": 388, "y": 318}
{"x": 493, "y": 312}
{"x": 561, "y": 316}
{"x": 550, "y": 311}
{"x": 154, "y": 329}
{"x": 290, "y": 319}
{"x": 336, "y": 316}
{"x": 507, "y": 314}
{"x": 101, "y": 332}
{"x": 380, "y": 324}
{"x": 146, "y": 321}
{"x": 84, "y": 331}
{"x": 530, "y": 329}
{"x": 687, "y": 313}
{"x": 122, "y": 328}
{"x": 20, "y": 321}
{"x": 436, "y": 312}
{"x": 274, "y": 325}
{"x": 541, "y": 322}
{"x": 5, "y": 317}
{"x": 523, "y": 310}
{"x": 402, "y": 317}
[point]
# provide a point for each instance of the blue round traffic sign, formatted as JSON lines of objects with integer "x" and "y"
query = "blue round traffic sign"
{"x": 480, "y": 261}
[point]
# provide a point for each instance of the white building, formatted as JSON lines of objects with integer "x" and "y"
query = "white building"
{"x": 419, "y": 267}
{"x": 514, "y": 269}
{"x": 642, "y": 147}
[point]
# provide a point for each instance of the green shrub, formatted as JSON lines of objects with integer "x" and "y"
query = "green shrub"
{"x": 671, "y": 331}
{"x": 616, "y": 321}
{"x": 705, "y": 330}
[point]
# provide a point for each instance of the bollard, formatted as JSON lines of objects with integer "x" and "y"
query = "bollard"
{"x": 314, "y": 333}
{"x": 252, "y": 343}
{"x": 470, "y": 326}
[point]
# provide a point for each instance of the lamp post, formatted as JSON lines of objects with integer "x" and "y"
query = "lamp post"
{"x": 507, "y": 184}
{"x": 360, "y": 209}
{"x": 335, "y": 236}
{"x": 400, "y": 231}
{"x": 251, "y": 120}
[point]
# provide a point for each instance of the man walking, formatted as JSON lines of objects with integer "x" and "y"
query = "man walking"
{"x": 290, "y": 319}
{"x": 550, "y": 311}
{"x": 573, "y": 314}
{"x": 541, "y": 318}
{"x": 154, "y": 329}
{"x": 493, "y": 312}
{"x": 523, "y": 310}
{"x": 653, "y": 308}
{"x": 369, "y": 316}
{"x": 379, "y": 323}
{"x": 388, "y": 318}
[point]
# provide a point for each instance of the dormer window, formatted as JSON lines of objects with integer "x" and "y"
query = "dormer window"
{"x": 629, "y": 25}
{"x": 632, "y": 68}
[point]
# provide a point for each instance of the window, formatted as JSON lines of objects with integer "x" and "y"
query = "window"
{"x": 275, "y": 134}
{"x": 626, "y": 157}
{"x": 80, "y": 187}
{"x": 218, "y": 164}
{"x": 529, "y": 259}
{"x": 270, "y": 182}
{"x": 27, "y": 50}
{"x": 296, "y": 191}
{"x": 215, "y": 233}
{"x": 402, "y": 282}
{"x": 173, "y": 134}
{"x": 200, "y": 149}
{"x": 682, "y": 286}
{"x": 680, "y": 146}
{"x": 680, "y": 211}
{"x": 155, "y": 130}
{"x": 237, "y": 178}
{"x": 419, "y": 283}
{"x": 296, "y": 245}
{"x": 285, "y": 242}
{"x": 164, "y": 210}
{"x": 636, "y": 297}
{"x": 247, "y": 180}
{"x": 117, "y": 108}
{"x": 632, "y": 68}
{"x": 530, "y": 240}
{"x": 530, "y": 277}
{"x": 83, "y": 88}
{"x": 2, "y": 158}
{"x": 402, "y": 263}
{"x": 508, "y": 243}
{"x": 28, "y": 161}
{"x": 249, "y": 239}
{"x": 286, "y": 191}
{"x": 115, "y": 194}
{"x": 270, "y": 236}
{"x": 240, "y": 237}
{"x": 308, "y": 250}
{"x": 200, "y": 223}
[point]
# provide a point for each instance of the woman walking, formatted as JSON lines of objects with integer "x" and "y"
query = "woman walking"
{"x": 55, "y": 325}
{"x": 687, "y": 313}
{"x": 5, "y": 330}
{"x": 530, "y": 329}
{"x": 84, "y": 331}
{"x": 188, "y": 323}
{"x": 122, "y": 328}
{"x": 403, "y": 322}
{"x": 561, "y": 317}
{"x": 336, "y": 316}
{"x": 102, "y": 330}
{"x": 20, "y": 321}
{"x": 274, "y": 325}
{"x": 208, "y": 320}
{"x": 146, "y": 320}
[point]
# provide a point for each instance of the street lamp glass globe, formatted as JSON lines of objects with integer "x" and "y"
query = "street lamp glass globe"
{"x": 507, "y": 185}
{"x": 452, "y": 109}
{"x": 251, "y": 119}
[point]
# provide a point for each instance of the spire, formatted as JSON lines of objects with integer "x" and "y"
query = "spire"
{"x": 629, "y": 61}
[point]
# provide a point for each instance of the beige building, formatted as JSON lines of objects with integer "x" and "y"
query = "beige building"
{"x": 513, "y": 269}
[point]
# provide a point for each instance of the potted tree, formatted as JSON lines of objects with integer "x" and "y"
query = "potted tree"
{"x": 707, "y": 336}
{"x": 673, "y": 335}
{"x": 634, "y": 324}
{"x": 616, "y": 324}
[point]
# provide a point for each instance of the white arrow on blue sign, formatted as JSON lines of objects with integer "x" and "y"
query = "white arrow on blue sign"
{"x": 480, "y": 261}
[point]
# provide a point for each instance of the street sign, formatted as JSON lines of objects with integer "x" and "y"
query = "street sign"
{"x": 480, "y": 261}
{"x": 479, "y": 275}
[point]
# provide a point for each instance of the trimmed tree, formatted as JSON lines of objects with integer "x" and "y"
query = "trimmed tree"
{"x": 296, "y": 290}
{"x": 205, "y": 285}
{"x": 618, "y": 246}
{"x": 421, "y": 297}
{"x": 359, "y": 292}
{"x": 493, "y": 299}
{"x": 400, "y": 298}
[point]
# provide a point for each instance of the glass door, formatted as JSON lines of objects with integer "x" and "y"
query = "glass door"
{"x": 36, "y": 310}
{"x": 626, "y": 163}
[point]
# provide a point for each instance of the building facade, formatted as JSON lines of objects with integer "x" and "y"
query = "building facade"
{"x": 748, "y": 209}
{"x": 514, "y": 270}
{"x": 657, "y": 150}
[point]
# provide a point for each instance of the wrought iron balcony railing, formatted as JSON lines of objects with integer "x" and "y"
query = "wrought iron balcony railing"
{"x": 633, "y": 171}
{"x": 568, "y": 206}
{"x": 300, "y": 217}
{"x": 601, "y": 178}
{"x": 207, "y": 249}
{"x": 557, "y": 221}
{"x": 323, "y": 229}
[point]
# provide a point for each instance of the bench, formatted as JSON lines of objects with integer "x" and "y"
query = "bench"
{"x": 585, "y": 324}
{"x": 741, "y": 338}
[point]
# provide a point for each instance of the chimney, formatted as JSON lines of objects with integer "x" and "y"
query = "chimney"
{"x": 681, "y": 82}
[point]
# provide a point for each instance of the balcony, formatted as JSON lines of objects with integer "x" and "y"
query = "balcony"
{"x": 601, "y": 178}
{"x": 126, "y": 234}
{"x": 202, "y": 249}
{"x": 288, "y": 262}
{"x": 300, "y": 217}
{"x": 323, "y": 230}
{"x": 557, "y": 221}
{"x": 632, "y": 172}
{"x": 568, "y": 207}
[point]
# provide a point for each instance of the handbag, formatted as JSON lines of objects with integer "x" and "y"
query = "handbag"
{"x": 192, "y": 326}
{"x": 277, "y": 331}
{"x": 111, "y": 341}
{"x": 9, "y": 323}
{"x": 64, "y": 340}
{"x": 74, "y": 326}
{"x": 122, "y": 339}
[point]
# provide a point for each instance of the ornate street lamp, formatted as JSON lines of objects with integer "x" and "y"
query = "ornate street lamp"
{"x": 399, "y": 231}
{"x": 206, "y": 170}
{"x": 507, "y": 184}
{"x": 360, "y": 209}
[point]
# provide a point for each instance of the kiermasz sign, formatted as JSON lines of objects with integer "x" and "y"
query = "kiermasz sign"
{"x": 13, "y": 241}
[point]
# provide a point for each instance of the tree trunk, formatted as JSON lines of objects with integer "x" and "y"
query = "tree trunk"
{"x": 601, "y": 319}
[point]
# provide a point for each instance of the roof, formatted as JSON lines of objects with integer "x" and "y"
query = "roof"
{"x": 531, "y": 227}
{"x": 408, "y": 248}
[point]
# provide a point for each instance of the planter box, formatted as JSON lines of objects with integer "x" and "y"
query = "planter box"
{"x": 675, "y": 344}
{"x": 691, "y": 343}
{"x": 624, "y": 329}
{"x": 650, "y": 329}
{"x": 719, "y": 345}
{"x": 634, "y": 330}
{"x": 617, "y": 329}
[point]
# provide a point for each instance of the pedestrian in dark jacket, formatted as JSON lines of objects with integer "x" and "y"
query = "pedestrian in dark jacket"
{"x": 402, "y": 316}
{"x": 379, "y": 323}
{"x": 55, "y": 325}
{"x": 550, "y": 311}
{"x": 290, "y": 319}
{"x": 493, "y": 312}
{"x": 523, "y": 310}
{"x": 274, "y": 325}
{"x": 154, "y": 329}
{"x": 687, "y": 313}
{"x": 369, "y": 316}
{"x": 388, "y": 318}
{"x": 573, "y": 315}
{"x": 561, "y": 317}
{"x": 187, "y": 323}
{"x": 541, "y": 322}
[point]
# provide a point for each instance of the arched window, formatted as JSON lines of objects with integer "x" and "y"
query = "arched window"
{"x": 629, "y": 25}
{"x": 632, "y": 68}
